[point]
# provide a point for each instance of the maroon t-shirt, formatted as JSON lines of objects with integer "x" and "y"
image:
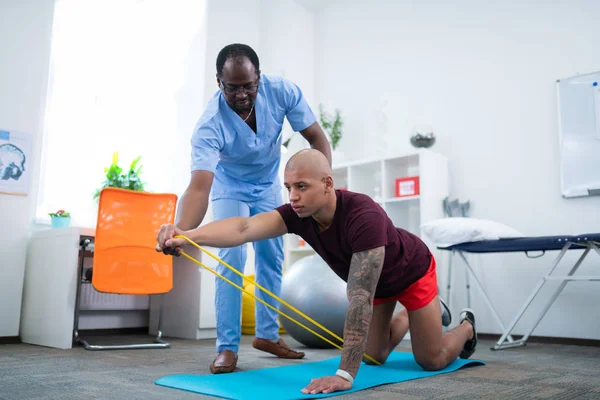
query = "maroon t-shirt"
{"x": 360, "y": 224}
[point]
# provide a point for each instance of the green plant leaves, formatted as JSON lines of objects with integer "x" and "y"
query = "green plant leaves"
{"x": 115, "y": 177}
{"x": 333, "y": 128}
{"x": 60, "y": 214}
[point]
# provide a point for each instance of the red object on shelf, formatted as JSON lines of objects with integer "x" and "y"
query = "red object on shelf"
{"x": 408, "y": 186}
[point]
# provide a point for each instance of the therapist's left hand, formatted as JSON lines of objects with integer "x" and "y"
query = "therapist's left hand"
{"x": 327, "y": 384}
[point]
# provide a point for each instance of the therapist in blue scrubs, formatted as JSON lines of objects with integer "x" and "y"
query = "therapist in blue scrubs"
{"x": 236, "y": 151}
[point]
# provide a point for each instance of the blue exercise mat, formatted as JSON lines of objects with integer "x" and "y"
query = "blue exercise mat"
{"x": 285, "y": 383}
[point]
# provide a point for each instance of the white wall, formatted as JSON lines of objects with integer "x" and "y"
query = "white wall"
{"x": 287, "y": 33}
{"x": 483, "y": 74}
{"x": 25, "y": 29}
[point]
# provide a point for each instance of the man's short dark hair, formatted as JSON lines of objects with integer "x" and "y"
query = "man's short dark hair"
{"x": 236, "y": 50}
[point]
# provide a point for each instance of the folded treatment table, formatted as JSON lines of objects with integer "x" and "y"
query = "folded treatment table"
{"x": 585, "y": 242}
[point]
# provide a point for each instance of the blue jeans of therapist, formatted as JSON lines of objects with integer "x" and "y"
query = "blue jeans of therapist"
{"x": 268, "y": 267}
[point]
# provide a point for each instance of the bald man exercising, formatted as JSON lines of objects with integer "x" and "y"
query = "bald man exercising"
{"x": 381, "y": 264}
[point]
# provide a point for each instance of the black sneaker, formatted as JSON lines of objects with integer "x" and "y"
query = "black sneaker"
{"x": 446, "y": 315}
{"x": 466, "y": 314}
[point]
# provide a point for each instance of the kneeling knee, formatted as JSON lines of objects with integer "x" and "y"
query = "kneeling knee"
{"x": 431, "y": 363}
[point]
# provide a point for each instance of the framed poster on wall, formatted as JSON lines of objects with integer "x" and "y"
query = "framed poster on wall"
{"x": 15, "y": 162}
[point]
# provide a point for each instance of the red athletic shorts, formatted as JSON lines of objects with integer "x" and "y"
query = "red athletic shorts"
{"x": 419, "y": 294}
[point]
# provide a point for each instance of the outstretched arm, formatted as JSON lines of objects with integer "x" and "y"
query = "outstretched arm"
{"x": 365, "y": 269}
{"x": 229, "y": 232}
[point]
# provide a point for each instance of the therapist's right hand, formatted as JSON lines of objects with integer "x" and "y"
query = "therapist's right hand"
{"x": 167, "y": 243}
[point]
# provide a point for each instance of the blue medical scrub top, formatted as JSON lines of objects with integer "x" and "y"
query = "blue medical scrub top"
{"x": 246, "y": 164}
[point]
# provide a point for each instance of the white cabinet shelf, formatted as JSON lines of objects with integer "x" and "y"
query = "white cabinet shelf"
{"x": 377, "y": 179}
{"x": 305, "y": 249}
{"x": 399, "y": 199}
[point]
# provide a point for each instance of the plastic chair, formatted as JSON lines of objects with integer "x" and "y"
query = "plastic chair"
{"x": 125, "y": 257}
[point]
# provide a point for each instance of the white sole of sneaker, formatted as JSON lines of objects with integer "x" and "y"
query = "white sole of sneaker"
{"x": 464, "y": 310}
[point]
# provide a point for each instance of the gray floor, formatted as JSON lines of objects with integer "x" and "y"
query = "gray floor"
{"x": 538, "y": 371}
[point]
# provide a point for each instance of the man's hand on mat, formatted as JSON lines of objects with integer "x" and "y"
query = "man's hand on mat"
{"x": 327, "y": 384}
{"x": 166, "y": 243}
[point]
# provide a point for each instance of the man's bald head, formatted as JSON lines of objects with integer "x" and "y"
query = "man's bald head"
{"x": 310, "y": 184}
{"x": 311, "y": 161}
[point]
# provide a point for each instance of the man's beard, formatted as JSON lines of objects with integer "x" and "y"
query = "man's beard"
{"x": 242, "y": 108}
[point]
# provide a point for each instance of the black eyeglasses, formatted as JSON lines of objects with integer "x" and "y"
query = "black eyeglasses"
{"x": 248, "y": 89}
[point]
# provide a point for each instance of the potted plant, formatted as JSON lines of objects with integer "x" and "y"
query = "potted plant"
{"x": 333, "y": 126}
{"x": 60, "y": 219}
{"x": 115, "y": 177}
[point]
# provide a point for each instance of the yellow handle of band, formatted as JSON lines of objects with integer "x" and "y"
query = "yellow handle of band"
{"x": 267, "y": 292}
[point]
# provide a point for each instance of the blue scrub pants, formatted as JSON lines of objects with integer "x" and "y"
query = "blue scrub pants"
{"x": 268, "y": 267}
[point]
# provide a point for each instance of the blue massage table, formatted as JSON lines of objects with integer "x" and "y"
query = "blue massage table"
{"x": 585, "y": 242}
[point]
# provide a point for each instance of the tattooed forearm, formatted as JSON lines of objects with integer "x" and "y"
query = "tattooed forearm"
{"x": 365, "y": 269}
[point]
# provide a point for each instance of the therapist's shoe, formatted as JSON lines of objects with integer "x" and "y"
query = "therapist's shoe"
{"x": 280, "y": 349}
{"x": 466, "y": 314}
{"x": 224, "y": 363}
{"x": 446, "y": 315}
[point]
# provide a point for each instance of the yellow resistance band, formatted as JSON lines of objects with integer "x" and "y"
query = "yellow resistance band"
{"x": 267, "y": 292}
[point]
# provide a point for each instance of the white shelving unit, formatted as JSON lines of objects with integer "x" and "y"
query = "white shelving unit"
{"x": 376, "y": 178}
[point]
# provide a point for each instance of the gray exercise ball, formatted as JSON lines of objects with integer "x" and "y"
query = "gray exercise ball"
{"x": 313, "y": 288}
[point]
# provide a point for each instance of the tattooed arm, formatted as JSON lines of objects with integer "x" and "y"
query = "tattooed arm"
{"x": 365, "y": 269}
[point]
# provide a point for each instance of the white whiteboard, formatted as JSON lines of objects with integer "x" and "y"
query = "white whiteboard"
{"x": 579, "y": 134}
